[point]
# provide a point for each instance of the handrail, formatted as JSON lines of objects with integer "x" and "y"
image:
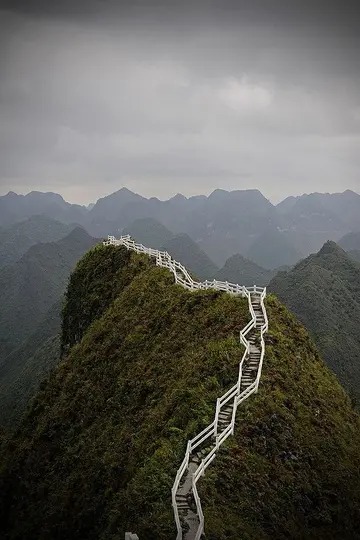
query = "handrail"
{"x": 182, "y": 277}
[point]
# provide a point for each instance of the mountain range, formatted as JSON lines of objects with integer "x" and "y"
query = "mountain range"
{"x": 222, "y": 224}
{"x": 36, "y": 258}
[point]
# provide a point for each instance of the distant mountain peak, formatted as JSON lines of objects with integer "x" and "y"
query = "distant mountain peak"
{"x": 126, "y": 190}
{"x": 331, "y": 247}
{"x": 78, "y": 233}
{"x": 178, "y": 197}
{"x": 254, "y": 194}
{"x": 45, "y": 194}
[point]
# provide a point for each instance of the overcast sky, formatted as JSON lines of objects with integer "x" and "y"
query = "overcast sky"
{"x": 166, "y": 97}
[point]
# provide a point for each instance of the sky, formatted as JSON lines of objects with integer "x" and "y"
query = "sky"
{"x": 165, "y": 97}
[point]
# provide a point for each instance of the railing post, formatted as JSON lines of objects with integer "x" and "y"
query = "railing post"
{"x": 217, "y": 416}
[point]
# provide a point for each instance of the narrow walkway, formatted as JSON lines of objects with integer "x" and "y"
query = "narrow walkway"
{"x": 184, "y": 497}
{"x": 201, "y": 450}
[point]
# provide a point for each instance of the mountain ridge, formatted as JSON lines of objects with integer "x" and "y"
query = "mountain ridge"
{"x": 323, "y": 290}
{"x": 222, "y": 223}
{"x": 143, "y": 362}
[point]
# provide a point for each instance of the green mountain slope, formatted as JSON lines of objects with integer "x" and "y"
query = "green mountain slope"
{"x": 32, "y": 285}
{"x": 273, "y": 249}
{"x": 350, "y": 242}
{"x": 324, "y": 292}
{"x": 32, "y": 290}
{"x": 97, "y": 453}
{"x": 149, "y": 231}
{"x": 238, "y": 269}
{"x": 182, "y": 248}
{"x": 23, "y": 369}
{"x": 354, "y": 255}
{"x": 18, "y": 238}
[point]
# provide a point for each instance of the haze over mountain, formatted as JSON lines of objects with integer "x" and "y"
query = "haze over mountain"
{"x": 16, "y": 239}
{"x": 137, "y": 380}
{"x": 27, "y": 366}
{"x": 149, "y": 232}
{"x": 32, "y": 289}
{"x": 182, "y": 248}
{"x": 324, "y": 292}
{"x": 225, "y": 223}
{"x": 351, "y": 241}
{"x": 15, "y": 208}
{"x": 238, "y": 269}
{"x": 242, "y": 222}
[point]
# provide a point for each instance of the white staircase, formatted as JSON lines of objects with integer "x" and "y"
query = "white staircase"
{"x": 201, "y": 450}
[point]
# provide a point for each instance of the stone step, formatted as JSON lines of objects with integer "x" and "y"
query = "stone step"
{"x": 183, "y": 505}
{"x": 228, "y": 409}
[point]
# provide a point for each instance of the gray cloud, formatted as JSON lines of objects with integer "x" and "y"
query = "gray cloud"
{"x": 178, "y": 99}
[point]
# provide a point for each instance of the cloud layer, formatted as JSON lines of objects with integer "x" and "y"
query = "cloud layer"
{"x": 93, "y": 100}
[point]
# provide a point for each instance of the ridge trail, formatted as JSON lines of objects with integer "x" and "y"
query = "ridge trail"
{"x": 201, "y": 450}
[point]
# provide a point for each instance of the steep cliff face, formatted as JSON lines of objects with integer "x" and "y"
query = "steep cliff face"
{"x": 143, "y": 363}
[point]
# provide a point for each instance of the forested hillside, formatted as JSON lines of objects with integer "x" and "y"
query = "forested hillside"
{"x": 32, "y": 290}
{"x": 33, "y": 284}
{"x": 143, "y": 362}
{"x": 149, "y": 231}
{"x": 238, "y": 269}
{"x": 182, "y": 248}
{"x": 18, "y": 238}
{"x": 324, "y": 292}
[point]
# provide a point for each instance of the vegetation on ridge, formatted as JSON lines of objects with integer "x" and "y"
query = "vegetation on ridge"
{"x": 324, "y": 292}
{"x": 98, "y": 451}
{"x": 32, "y": 290}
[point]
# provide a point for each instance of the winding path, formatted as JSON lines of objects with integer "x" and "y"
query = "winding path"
{"x": 201, "y": 450}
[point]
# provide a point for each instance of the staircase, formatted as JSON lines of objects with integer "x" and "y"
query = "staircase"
{"x": 202, "y": 449}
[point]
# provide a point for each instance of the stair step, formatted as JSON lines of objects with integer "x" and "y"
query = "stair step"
{"x": 183, "y": 506}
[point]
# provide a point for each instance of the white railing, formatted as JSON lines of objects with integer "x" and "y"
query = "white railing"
{"x": 234, "y": 394}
